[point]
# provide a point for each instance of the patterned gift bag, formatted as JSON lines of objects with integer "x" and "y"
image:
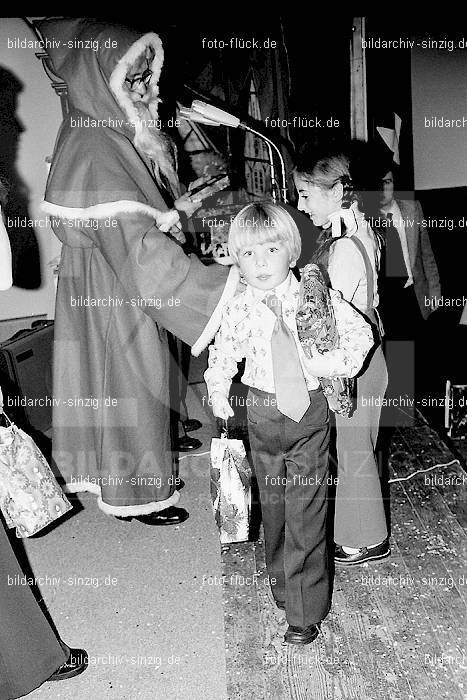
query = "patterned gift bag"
{"x": 30, "y": 497}
{"x": 230, "y": 488}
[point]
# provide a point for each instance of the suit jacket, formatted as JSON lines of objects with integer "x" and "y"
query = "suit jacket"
{"x": 424, "y": 268}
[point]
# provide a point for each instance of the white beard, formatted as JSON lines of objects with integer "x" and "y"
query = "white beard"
{"x": 158, "y": 146}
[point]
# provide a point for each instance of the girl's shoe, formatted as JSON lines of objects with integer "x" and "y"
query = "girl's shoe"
{"x": 364, "y": 554}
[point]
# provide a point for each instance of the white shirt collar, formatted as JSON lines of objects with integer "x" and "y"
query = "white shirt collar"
{"x": 393, "y": 209}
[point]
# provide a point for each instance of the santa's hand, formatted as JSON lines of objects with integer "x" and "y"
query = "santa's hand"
{"x": 187, "y": 204}
{"x": 177, "y": 233}
{"x": 166, "y": 219}
{"x": 221, "y": 407}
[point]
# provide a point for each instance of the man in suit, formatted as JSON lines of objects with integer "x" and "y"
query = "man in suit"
{"x": 418, "y": 279}
{"x": 410, "y": 287}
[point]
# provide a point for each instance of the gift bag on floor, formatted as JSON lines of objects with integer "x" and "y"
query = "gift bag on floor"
{"x": 230, "y": 488}
{"x": 30, "y": 497}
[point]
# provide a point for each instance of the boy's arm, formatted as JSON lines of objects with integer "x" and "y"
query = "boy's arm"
{"x": 224, "y": 354}
{"x": 355, "y": 341}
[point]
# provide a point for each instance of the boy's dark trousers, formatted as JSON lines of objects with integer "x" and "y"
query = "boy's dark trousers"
{"x": 291, "y": 465}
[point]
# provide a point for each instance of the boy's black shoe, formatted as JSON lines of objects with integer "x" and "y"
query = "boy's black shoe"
{"x": 301, "y": 635}
{"x": 76, "y": 664}
{"x": 364, "y": 554}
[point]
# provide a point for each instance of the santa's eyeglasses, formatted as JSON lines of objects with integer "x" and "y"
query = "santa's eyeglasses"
{"x": 144, "y": 77}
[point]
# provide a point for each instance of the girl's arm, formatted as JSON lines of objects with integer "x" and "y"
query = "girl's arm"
{"x": 5, "y": 257}
{"x": 346, "y": 268}
{"x": 355, "y": 342}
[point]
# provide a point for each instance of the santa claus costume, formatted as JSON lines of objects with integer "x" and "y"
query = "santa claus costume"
{"x": 123, "y": 282}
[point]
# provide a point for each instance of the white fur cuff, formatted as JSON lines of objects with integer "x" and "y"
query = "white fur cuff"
{"x": 214, "y": 322}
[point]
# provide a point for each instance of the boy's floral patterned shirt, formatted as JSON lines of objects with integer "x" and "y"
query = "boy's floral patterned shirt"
{"x": 246, "y": 330}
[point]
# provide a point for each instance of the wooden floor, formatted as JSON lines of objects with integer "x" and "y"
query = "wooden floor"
{"x": 397, "y": 627}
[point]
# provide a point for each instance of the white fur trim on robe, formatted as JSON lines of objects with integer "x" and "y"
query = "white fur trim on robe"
{"x": 124, "y": 511}
{"x": 164, "y": 219}
{"x": 214, "y": 322}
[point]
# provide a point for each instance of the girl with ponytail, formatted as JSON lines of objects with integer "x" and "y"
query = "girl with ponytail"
{"x": 348, "y": 253}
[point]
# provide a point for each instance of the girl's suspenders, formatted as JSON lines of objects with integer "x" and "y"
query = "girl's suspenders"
{"x": 371, "y": 312}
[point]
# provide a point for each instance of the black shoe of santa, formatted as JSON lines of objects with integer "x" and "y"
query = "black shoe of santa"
{"x": 168, "y": 516}
{"x": 76, "y": 664}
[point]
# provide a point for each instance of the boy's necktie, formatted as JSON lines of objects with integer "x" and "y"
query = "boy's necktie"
{"x": 291, "y": 391}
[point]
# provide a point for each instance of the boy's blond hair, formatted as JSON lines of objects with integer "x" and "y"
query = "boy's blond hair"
{"x": 259, "y": 222}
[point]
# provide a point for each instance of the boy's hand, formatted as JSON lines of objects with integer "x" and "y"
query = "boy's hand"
{"x": 318, "y": 365}
{"x": 221, "y": 407}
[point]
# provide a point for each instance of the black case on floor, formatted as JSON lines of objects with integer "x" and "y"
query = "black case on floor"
{"x": 26, "y": 373}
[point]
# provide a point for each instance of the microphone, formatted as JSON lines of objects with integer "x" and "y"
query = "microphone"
{"x": 215, "y": 114}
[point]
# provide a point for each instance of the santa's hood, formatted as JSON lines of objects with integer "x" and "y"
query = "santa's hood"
{"x": 94, "y": 58}
{"x": 96, "y": 170}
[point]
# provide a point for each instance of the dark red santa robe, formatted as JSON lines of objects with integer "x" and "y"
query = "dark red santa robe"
{"x": 122, "y": 284}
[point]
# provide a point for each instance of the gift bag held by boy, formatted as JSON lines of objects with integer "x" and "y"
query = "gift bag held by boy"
{"x": 230, "y": 488}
